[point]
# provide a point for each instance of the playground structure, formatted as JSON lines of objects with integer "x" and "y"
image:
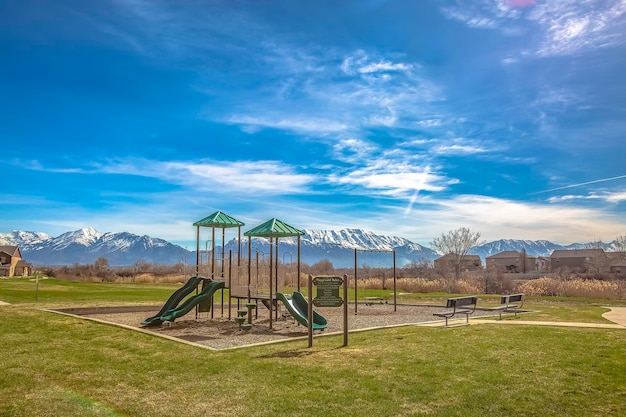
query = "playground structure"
{"x": 261, "y": 277}
{"x": 255, "y": 279}
{"x": 171, "y": 310}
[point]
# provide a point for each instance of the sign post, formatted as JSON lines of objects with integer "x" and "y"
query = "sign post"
{"x": 328, "y": 296}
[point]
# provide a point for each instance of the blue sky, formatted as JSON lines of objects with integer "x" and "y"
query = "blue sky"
{"x": 409, "y": 118}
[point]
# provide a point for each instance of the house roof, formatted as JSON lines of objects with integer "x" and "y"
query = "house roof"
{"x": 220, "y": 220}
{"x": 450, "y": 255}
{"x": 274, "y": 228}
{"x": 576, "y": 253}
{"x": 508, "y": 254}
{"x": 616, "y": 255}
{"x": 505, "y": 254}
{"x": 11, "y": 250}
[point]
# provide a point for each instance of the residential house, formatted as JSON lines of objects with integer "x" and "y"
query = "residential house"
{"x": 581, "y": 260}
{"x": 617, "y": 262}
{"x": 511, "y": 261}
{"x": 542, "y": 263}
{"x": 12, "y": 264}
{"x": 469, "y": 262}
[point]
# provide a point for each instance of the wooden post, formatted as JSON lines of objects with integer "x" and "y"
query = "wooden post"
{"x": 310, "y": 310}
{"x": 345, "y": 310}
{"x": 271, "y": 302}
{"x": 197, "y": 250}
{"x": 299, "y": 270}
{"x": 355, "y": 281}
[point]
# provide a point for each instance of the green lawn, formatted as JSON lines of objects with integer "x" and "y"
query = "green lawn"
{"x": 55, "y": 365}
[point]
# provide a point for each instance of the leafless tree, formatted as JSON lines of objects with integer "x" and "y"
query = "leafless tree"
{"x": 322, "y": 267}
{"x": 599, "y": 262}
{"x": 456, "y": 244}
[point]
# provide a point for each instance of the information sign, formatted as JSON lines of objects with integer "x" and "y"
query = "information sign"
{"x": 328, "y": 292}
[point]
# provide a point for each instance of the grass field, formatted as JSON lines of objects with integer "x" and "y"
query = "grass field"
{"x": 54, "y": 365}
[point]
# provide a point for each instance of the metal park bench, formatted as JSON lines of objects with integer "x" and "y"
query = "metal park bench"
{"x": 374, "y": 300}
{"x": 459, "y": 305}
{"x": 510, "y": 304}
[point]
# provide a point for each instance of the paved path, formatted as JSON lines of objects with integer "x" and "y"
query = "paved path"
{"x": 617, "y": 315}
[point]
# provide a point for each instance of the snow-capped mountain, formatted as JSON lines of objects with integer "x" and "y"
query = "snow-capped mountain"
{"x": 84, "y": 237}
{"x": 87, "y": 244}
{"x": 23, "y": 239}
{"x": 338, "y": 247}
{"x": 532, "y": 247}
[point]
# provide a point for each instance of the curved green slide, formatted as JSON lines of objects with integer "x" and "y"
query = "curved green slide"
{"x": 173, "y": 301}
{"x": 207, "y": 292}
{"x": 298, "y": 307}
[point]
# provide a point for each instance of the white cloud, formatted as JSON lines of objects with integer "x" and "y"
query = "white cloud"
{"x": 354, "y": 151}
{"x": 429, "y": 123}
{"x": 290, "y": 122}
{"x": 360, "y": 63}
{"x": 615, "y": 197}
{"x": 273, "y": 177}
{"x": 342, "y": 93}
{"x": 456, "y": 149}
{"x": 397, "y": 180}
{"x": 564, "y": 27}
{"x": 498, "y": 218}
{"x": 571, "y": 26}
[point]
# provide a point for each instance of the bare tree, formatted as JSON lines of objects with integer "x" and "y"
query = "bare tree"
{"x": 101, "y": 266}
{"x": 323, "y": 266}
{"x": 456, "y": 244}
{"x": 524, "y": 259}
{"x": 620, "y": 245}
{"x": 599, "y": 262}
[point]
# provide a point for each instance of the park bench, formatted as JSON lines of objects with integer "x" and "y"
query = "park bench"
{"x": 511, "y": 303}
{"x": 374, "y": 300}
{"x": 459, "y": 305}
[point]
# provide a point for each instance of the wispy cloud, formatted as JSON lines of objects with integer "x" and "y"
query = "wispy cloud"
{"x": 348, "y": 92}
{"x": 398, "y": 180}
{"x": 289, "y": 122}
{"x": 458, "y": 149}
{"x": 615, "y": 198}
{"x": 571, "y": 26}
{"x": 360, "y": 63}
{"x": 565, "y": 187}
{"x": 273, "y": 177}
{"x": 564, "y": 27}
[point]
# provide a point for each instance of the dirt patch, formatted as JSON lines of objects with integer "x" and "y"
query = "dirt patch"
{"x": 217, "y": 331}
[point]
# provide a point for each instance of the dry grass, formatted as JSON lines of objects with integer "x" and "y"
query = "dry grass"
{"x": 421, "y": 285}
{"x": 168, "y": 279}
{"x": 615, "y": 290}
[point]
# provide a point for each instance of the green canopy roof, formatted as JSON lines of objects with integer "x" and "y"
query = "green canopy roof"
{"x": 274, "y": 228}
{"x": 219, "y": 219}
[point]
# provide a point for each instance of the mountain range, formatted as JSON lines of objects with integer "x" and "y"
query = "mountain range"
{"x": 122, "y": 248}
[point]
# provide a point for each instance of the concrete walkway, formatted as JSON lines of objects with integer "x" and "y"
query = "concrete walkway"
{"x": 617, "y": 315}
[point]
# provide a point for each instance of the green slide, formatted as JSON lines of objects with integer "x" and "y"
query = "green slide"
{"x": 207, "y": 292}
{"x": 298, "y": 307}
{"x": 173, "y": 301}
